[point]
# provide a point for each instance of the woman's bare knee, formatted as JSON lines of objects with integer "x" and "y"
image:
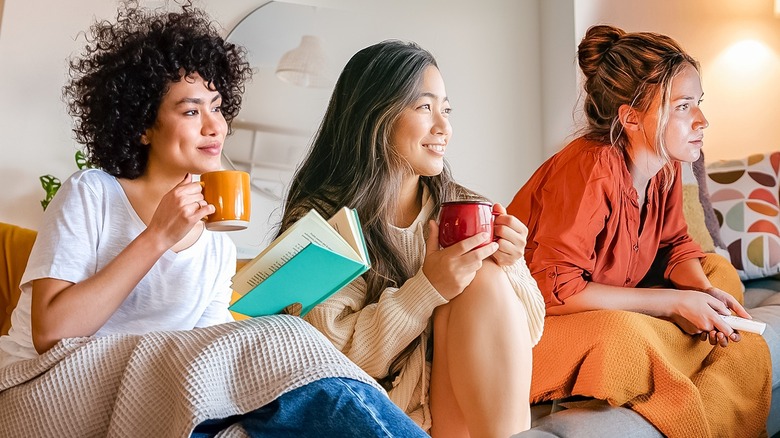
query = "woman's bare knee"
{"x": 490, "y": 287}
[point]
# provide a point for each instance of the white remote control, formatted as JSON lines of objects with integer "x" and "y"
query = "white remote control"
{"x": 745, "y": 325}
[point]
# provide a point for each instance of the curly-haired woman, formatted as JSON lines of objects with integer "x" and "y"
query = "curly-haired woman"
{"x": 123, "y": 249}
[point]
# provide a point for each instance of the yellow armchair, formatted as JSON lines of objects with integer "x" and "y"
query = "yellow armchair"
{"x": 15, "y": 246}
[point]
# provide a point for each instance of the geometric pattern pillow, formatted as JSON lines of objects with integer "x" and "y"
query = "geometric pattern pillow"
{"x": 744, "y": 194}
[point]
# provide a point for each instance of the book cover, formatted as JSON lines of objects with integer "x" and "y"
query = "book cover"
{"x": 309, "y": 262}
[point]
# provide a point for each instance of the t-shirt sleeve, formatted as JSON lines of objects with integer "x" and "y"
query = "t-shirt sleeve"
{"x": 568, "y": 213}
{"x": 675, "y": 242}
{"x": 66, "y": 247}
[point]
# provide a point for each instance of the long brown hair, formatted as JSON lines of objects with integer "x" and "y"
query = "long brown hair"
{"x": 352, "y": 163}
{"x": 623, "y": 68}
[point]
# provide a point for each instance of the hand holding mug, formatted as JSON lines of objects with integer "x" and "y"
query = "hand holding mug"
{"x": 451, "y": 269}
{"x": 511, "y": 235}
{"x": 178, "y": 211}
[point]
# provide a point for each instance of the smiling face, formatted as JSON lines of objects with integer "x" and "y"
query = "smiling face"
{"x": 684, "y": 134}
{"x": 422, "y": 131}
{"x": 190, "y": 129}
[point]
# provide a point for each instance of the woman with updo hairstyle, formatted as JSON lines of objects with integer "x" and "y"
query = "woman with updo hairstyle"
{"x": 629, "y": 295}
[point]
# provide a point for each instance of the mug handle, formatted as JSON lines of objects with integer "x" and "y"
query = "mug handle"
{"x": 203, "y": 186}
{"x": 495, "y": 214}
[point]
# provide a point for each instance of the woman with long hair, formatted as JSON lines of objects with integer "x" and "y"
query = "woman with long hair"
{"x": 454, "y": 326}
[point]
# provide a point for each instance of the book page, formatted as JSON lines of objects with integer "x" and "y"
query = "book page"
{"x": 344, "y": 223}
{"x": 311, "y": 228}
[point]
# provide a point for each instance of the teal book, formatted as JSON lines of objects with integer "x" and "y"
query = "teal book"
{"x": 306, "y": 264}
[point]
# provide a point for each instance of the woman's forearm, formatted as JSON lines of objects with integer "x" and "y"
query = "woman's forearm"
{"x": 689, "y": 275}
{"x": 597, "y": 296}
{"x": 61, "y": 309}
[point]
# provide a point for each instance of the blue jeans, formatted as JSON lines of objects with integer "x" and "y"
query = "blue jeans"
{"x": 331, "y": 407}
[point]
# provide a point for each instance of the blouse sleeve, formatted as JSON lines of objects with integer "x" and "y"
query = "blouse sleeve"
{"x": 568, "y": 212}
{"x": 675, "y": 242}
{"x": 372, "y": 336}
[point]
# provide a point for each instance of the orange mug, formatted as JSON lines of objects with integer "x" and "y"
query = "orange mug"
{"x": 459, "y": 220}
{"x": 228, "y": 191}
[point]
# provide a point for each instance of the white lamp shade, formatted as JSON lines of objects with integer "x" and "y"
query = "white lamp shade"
{"x": 305, "y": 65}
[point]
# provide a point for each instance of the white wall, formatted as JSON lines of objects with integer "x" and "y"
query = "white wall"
{"x": 741, "y": 80}
{"x": 508, "y": 64}
{"x": 488, "y": 51}
{"x": 558, "y": 73}
{"x": 491, "y": 83}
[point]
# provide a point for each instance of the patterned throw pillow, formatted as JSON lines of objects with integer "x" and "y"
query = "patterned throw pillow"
{"x": 744, "y": 194}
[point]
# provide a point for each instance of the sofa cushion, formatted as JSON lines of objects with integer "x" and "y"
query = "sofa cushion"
{"x": 594, "y": 418}
{"x": 764, "y": 292}
{"x": 744, "y": 195}
{"x": 770, "y": 314}
{"x": 15, "y": 246}
{"x": 710, "y": 219}
{"x": 693, "y": 211}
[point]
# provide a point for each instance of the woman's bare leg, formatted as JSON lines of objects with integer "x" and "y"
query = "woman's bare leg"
{"x": 444, "y": 407}
{"x": 487, "y": 350}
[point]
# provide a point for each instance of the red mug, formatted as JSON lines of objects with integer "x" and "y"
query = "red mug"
{"x": 459, "y": 220}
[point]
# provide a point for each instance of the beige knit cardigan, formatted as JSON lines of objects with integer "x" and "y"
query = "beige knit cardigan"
{"x": 373, "y": 335}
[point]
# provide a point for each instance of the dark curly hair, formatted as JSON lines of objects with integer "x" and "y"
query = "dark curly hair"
{"x": 116, "y": 88}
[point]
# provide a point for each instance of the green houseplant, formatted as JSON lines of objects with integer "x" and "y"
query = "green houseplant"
{"x": 51, "y": 183}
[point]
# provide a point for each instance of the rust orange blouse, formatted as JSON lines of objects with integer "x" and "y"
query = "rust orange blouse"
{"x": 584, "y": 223}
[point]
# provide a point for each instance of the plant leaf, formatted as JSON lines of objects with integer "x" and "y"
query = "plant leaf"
{"x": 81, "y": 161}
{"x": 50, "y": 184}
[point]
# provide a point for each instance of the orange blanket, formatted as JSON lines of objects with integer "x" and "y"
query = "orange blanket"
{"x": 683, "y": 386}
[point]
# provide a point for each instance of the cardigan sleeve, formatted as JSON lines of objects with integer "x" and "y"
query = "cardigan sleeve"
{"x": 372, "y": 336}
{"x": 528, "y": 292}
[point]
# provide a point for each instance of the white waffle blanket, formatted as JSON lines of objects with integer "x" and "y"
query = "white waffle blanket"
{"x": 163, "y": 384}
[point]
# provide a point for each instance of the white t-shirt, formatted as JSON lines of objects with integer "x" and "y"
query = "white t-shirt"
{"x": 85, "y": 227}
